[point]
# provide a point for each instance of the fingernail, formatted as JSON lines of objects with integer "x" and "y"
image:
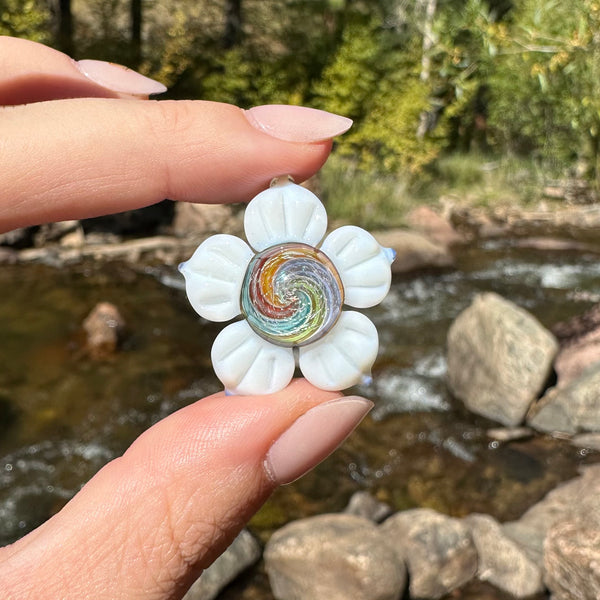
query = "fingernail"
{"x": 313, "y": 437}
{"x": 297, "y": 123}
{"x": 119, "y": 78}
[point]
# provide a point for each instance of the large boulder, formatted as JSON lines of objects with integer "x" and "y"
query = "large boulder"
{"x": 502, "y": 562}
{"x": 572, "y": 561}
{"x": 572, "y": 408}
{"x": 243, "y": 552}
{"x": 574, "y": 500}
{"x": 333, "y": 556}
{"x": 438, "y": 550}
{"x": 499, "y": 358}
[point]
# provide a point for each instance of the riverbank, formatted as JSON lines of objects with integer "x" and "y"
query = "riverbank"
{"x": 426, "y": 242}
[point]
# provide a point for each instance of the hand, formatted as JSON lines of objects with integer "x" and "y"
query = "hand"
{"x": 80, "y": 140}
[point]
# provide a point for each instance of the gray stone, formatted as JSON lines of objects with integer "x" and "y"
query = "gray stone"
{"x": 502, "y": 562}
{"x": 362, "y": 504}
{"x": 241, "y": 554}
{"x": 499, "y": 358}
{"x": 438, "y": 551}
{"x": 572, "y": 561}
{"x": 570, "y": 409}
{"x": 569, "y": 501}
{"x": 335, "y": 557}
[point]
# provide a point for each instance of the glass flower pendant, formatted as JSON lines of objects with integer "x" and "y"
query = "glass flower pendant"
{"x": 290, "y": 295}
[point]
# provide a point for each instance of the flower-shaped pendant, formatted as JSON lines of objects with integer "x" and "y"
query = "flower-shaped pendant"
{"x": 290, "y": 294}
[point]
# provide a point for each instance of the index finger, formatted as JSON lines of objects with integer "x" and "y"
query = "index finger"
{"x": 73, "y": 159}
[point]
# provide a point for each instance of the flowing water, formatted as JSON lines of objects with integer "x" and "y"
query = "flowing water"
{"x": 63, "y": 415}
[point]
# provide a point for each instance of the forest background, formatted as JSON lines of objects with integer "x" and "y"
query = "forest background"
{"x": 486, "y": 101}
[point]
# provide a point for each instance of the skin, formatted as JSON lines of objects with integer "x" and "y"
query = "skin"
{"x": 148, "y": 523}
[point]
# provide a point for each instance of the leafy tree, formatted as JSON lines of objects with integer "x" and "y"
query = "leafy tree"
{"x": 545, "y": 91}
{"x": 25, "y": 19}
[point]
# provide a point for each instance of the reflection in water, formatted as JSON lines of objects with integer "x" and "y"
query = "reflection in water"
{"x": 63, "y": 416}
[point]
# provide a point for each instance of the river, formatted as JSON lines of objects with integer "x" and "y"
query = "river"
{"x": 63, "y": 415}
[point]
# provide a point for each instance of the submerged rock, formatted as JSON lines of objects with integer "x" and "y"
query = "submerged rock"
{"x": 499, "y": 358}
{"x": 103, "y": 327}
{"x": 572, "y": 561}
{"x": 570, "y": 409}
{"x": 243, "y": 552}
{"x": 333, "y": 556}
{"x": 438, "y": 550}
{"x": 502, "y": 562}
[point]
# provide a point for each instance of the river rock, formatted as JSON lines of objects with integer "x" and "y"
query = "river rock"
{"x": 502, "y": 562}
{"x": 438, "y": 550}
{"x": 572, "y": 561}
{"x": 570, "y": 409}
{"x": 241, "y": 554}
{"x": 103, "y": 327}
{"x": 433, "y": 226}
{"x": 205, "y": 219}
{"x": 579, "y": 338}
{"x": 570, "y": 501}
{"x": 414, "y": 251}
{"x": 362, "y": 504}
{"x": 333, "y": 556}
{"x": 499, "y": 358}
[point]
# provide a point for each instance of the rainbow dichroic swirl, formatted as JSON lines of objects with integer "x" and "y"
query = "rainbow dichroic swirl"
{"x": 292, "y": 294}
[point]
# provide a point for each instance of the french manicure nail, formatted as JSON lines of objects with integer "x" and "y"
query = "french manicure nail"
{"x": 297, "y": 123}
{"x": 119, "y": 78}
{"x": 313, "y": 437}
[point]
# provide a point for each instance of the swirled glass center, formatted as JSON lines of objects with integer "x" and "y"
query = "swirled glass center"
{"x": 292, "y": 294}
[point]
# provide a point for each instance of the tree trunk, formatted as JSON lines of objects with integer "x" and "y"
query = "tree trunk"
{"x": 233, "y": 23}
{"x": 136, "y": 32}
{"x": 64, "y": 32}
{"x": 428, "y": 7}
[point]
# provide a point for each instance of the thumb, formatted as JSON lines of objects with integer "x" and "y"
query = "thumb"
{"x": 150, "y": 521}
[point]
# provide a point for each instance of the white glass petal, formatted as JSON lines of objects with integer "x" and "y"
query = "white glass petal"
{"x": 247, "y": 364}
{"x": 363, "y": 265}
{"x": 286, "y": 212}
{"x": 344, "y": 357}
{"x": 214, "y": 276}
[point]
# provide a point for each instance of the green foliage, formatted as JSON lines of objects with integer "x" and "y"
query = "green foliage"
{"x": 349, "y": 82}
{"x": 485, "y": 180}
{"x": 26, "y": 19}
{"x": 545, "y": 88}
{"x": 501, "y": 78}
{"x": 373, "y": 80}
{"x": 388, "y": 138}
{"x": 358, "y": 196}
